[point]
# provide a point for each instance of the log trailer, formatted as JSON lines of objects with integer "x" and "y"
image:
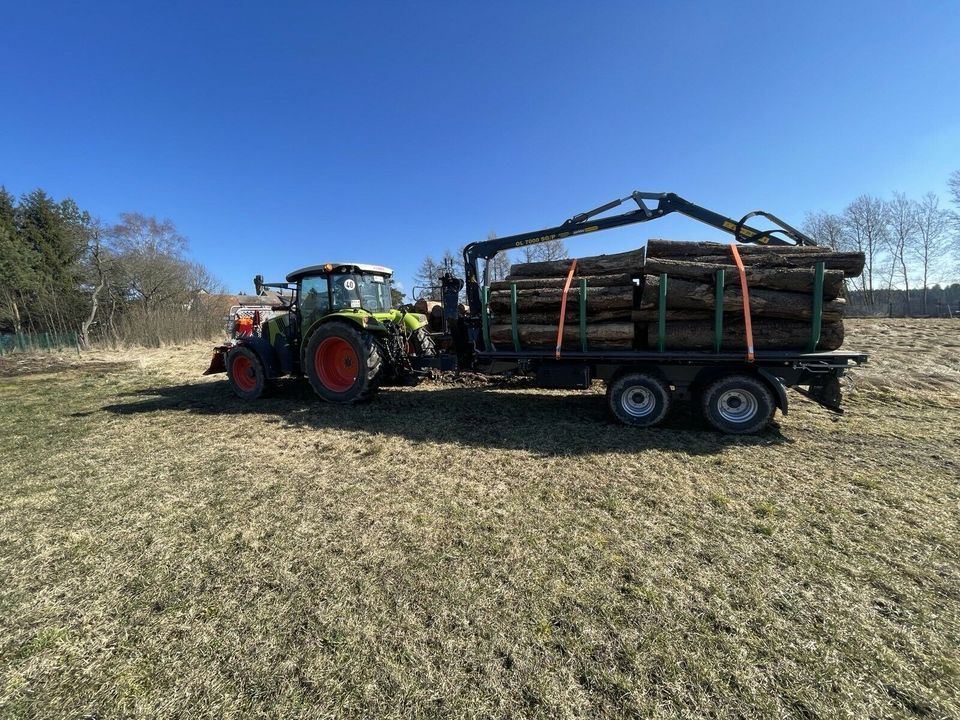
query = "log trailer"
{"x": 341, "y": 332}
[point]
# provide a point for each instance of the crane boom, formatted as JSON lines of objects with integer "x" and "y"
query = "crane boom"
{"x": 587, "y": 222}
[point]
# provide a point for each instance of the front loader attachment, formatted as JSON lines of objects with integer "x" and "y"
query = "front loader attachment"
{"x": 218, "y": 363}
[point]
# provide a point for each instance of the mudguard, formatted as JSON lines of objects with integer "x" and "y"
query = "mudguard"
{"x": 776, "y": 384}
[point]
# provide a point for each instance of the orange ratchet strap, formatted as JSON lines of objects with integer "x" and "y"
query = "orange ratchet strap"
{"x": 748, "y": 326}
{"x": 563, "y": 306}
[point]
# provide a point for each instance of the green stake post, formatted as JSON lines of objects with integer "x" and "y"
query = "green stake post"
{"x": 816, "y": 321}
{"x": 484, "y": 301}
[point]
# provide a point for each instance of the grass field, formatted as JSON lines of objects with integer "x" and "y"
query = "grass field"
{"x": 458, "y": 550}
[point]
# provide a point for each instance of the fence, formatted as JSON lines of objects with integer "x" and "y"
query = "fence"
{"x": 33, "y": 342}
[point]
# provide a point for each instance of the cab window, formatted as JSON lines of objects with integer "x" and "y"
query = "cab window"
{"x": 314, "y": 299}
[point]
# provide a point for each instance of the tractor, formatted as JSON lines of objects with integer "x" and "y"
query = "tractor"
{"x": 334, "y": 324}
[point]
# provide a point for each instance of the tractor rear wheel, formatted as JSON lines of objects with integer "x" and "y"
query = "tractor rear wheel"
{"x": 247, "y": 376}
{"x": 343, "y": 363}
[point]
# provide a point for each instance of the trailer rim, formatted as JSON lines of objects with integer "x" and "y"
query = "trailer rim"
{"x": 738, "y": 405}
{"x": 637, "y": 401}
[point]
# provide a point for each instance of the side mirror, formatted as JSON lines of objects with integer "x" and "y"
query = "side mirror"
{"x": 258, "y": 284}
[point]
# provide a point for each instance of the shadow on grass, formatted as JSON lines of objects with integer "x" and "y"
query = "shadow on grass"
{"x": 491, "y": 416}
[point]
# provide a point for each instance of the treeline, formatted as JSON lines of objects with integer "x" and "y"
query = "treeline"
{"x": 911, "y": 246}
{"x": 67, "y": 273}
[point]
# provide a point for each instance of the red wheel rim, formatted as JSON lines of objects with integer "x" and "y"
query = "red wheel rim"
{"x": 337, "y": 364}
{"x": 244, "y": 374}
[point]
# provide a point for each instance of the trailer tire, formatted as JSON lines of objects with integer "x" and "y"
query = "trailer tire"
{"x": 343, "y": 364}
{"x": 638, "y": 399}
{"x": 738, "y": 405}
{"x": 246, "y": 374}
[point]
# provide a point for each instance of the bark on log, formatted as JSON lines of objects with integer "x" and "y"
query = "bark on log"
{"x": 545, "y": 299}
{"x": 657, "y": 247}
{"x": 625, "y": 262}
{"x": 600, "y": 335}
{"x": 526, "y": 283}
{"x": 573, "y": 316}
{"x": 653, "y": 315}
{"x": 771, "y": 256}
{"x": 767, "y": 335}
{"x": 687, "y": 295}
{"x": 783, "y": 278}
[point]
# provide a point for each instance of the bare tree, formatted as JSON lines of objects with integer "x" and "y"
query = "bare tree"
{"x": 425, "y": 281}
{"x": 499, "y": 265}
{"x": 867, "y": 230}
{"x": 549, "y": 250}
{"x": 933, "y": 223}
{"x": 148, "y": 258}
{"x": 98, "y": 270}
{"x": 902, "y": 218}
{"x": 953, "y": 187}
{"x": 826, "y": 229}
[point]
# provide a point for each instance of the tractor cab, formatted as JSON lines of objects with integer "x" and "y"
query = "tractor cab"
{"x": 351, "y": 289}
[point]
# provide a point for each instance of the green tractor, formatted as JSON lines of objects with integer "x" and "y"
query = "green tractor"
{"x": 333, "y": 324}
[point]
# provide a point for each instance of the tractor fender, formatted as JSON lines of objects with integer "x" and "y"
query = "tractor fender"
{"x": 357, "y": 319}
{"x": 776, "y": 385}
{"x": 413, "y": 321}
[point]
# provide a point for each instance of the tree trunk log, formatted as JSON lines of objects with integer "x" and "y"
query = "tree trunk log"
{"x": 573, "y": 316}
{"x": 767, "y": 335}
{"x": 526, "y": 283}
{"x": 625, "y": 262}
{"x": 768, "y": 256}
{"x": 653, "y": 315}
{"x": 783, "y": 278}
{"x": 545, "y": 299}
{"x": 687, "y": 295}
{"x": 426, "y": 307}
{"x": 599, "y": 335}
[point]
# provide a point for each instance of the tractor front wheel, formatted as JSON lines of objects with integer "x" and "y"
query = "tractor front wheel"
{"x": 343, "y": 363}
{"x": 246, "y": 373}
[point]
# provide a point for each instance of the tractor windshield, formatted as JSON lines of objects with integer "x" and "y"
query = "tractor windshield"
{"x": 356, "y": 290}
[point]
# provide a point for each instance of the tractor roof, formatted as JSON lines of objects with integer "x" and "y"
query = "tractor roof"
{"x": 337, "y": 267}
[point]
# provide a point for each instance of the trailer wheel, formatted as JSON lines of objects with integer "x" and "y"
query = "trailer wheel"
{"x": 738, "y": 405}
{"x": 343, "y": 363}
{"x": 246, "y": 374}
{"x": 638, "y": 399}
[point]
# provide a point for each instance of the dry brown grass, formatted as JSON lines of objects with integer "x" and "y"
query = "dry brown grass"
{"x": 168, "y": 551}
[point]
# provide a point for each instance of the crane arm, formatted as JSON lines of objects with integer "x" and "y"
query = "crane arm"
{"x": 588, "y": 222}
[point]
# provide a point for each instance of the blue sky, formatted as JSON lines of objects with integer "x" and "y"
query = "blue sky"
{"x": 280, "y": 134}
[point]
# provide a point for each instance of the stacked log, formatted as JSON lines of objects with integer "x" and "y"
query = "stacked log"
{"x": 609, "y": 302}
{"x": 780, "y": 283}
{"x": 623, "y": 298}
